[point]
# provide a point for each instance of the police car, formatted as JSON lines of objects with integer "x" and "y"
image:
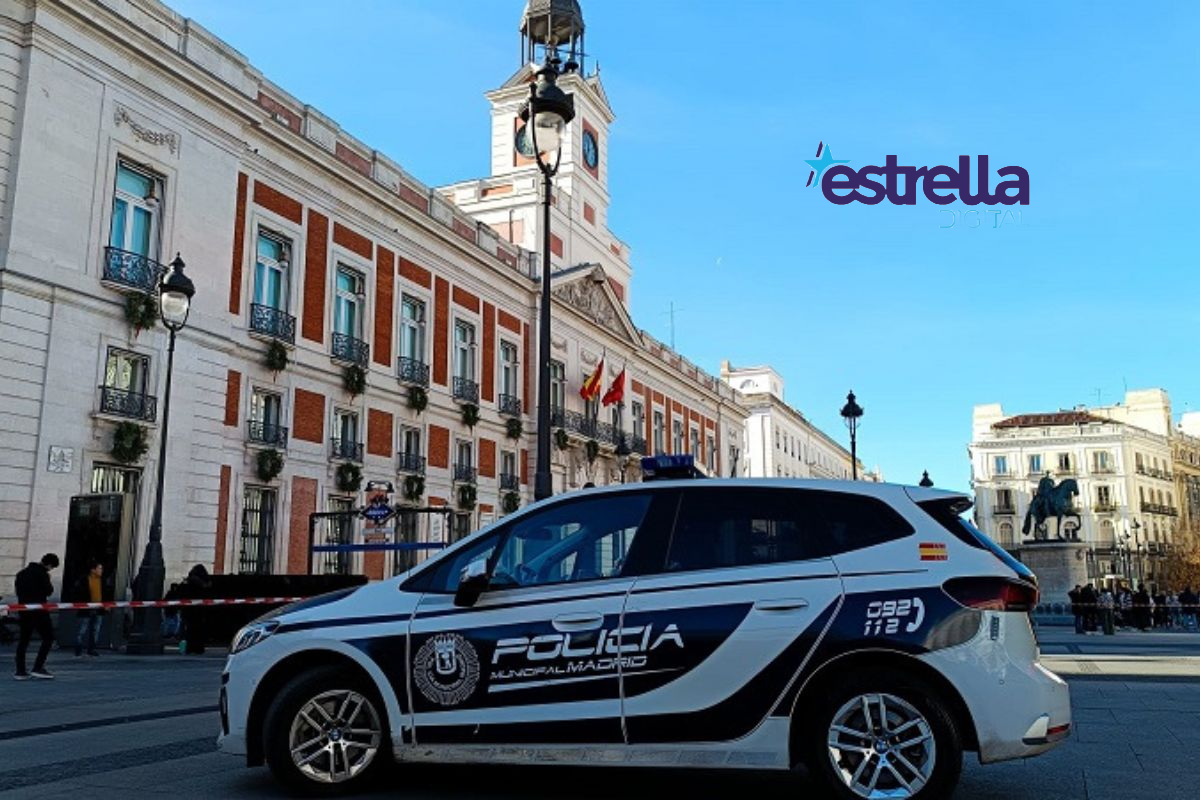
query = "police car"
{"x": 862, "y": 630}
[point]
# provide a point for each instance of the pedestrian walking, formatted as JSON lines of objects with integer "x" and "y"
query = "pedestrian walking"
{"x": 89, "y": 589}
{"x": 1141, "y": 608}
{"x": 1106, "y": 610}
{"x": 34, "y": 586}
{"x": 1088, "y": 599}
{"x": 1076, "y": 609}
{"x": 195, "y": 627}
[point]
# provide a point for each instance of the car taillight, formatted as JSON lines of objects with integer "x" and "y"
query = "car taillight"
{"x": 992, "y": 594}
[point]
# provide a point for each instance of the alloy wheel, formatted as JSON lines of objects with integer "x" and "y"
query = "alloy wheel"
{"x": 882, "y": 747}
{"x": 335, "y": 736}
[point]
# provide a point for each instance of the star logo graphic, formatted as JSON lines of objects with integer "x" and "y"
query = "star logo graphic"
{"x": 821, "y": 163}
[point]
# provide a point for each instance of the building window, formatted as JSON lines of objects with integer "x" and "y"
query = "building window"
{"x": 614, "y": 417}
{"x": 257, "y": 551}
{"x": 776, "y": 438}
{"x": 1035, "y": 465}
{"x": 1000, "y": 465}
{"x": 464, "y": 350}
{"x": 348, "y": 303}
{"x": 1006, "y": 532}
{"x": 712, "y": 453}
{"x": 462, "y": 526}
{"x": 338, "y": 530}
{"x": 558, "y": 385}
{"x": 510, "y": 481}
{"x": 412, "y": 329}
{"x": 676, "y": 436}
{"x": 126, "y": 371}
{"x": 1101, "y": 461}
{"x": 410, "y": 457}
{"x": 266, "y": 418}
{"x": 271, "y": 271}
{"x": 1103, "y": 497}
{"x": 659, "y": 433}
{"x": 135, "y": 211}
{"x": 345, "y": 428}
{"x": 1004, "y": 501}
{"x": 1064, "y": 462}
{"x": 509, "y": 369}
{"x": 638, "y": 412}
{"x": 694, "y": 442}
{"x": 464, "y": 461}
{"x": 1139, "y": 464}
{"x": 407, "y": 532}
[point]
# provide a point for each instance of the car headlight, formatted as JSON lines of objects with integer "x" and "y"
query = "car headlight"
{"x": 252, "y": 634}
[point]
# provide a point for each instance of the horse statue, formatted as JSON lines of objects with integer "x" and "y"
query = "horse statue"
{"x": 1051, "y": 501}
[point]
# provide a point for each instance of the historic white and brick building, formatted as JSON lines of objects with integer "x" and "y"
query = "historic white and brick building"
{"x": 129, "y": 134}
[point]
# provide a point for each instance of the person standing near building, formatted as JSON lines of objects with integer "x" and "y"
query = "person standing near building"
{"x": 89, "y": 589}
{"x": 34, "y": 586}
{"x": 1076, "y": 610}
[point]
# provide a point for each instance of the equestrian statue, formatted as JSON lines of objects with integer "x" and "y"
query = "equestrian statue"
{"x": 1051, "y": 501}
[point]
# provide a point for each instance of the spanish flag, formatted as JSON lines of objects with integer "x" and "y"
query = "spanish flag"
{"x": 933, "y": 551}
{"x": 591, "y": 387}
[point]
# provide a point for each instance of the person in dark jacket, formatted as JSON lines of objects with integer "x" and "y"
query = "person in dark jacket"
{"x": 195, "y": 627}
{"x": 1141, "y": 608}
{"x": 34, "y": 586}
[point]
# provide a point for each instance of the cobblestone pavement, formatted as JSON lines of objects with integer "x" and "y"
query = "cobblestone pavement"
{"x": 119, "y": 725}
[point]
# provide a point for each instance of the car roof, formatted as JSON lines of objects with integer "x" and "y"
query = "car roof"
{"x": 893, "y": 492}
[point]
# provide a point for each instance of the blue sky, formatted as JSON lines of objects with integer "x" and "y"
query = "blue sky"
{"x": 718, "y": 104}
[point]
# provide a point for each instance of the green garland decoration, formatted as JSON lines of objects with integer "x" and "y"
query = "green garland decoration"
{"x": 510, "y": 502}
{"x": 130, "y": 442}
{"x": 269, "y": 463}
{"x": 354, "y": 378}
{"x": 414, "y": 487}
{"x": 418, "y": 398}
{"x": 591, "y": 449}
{"x": 141, "y": 311}
{"x": 513, "y": 428}
{"x": 466, "y": 497}
{"x": 470, "y": 414}
{"x": 561, "y": 441}
{"x": 349, "y": 477}
{"x": 276, "y": 358}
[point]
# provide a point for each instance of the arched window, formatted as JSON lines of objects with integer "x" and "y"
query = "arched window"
{"x": 1107, "y": 532}
{"x": 1006, "y": 532}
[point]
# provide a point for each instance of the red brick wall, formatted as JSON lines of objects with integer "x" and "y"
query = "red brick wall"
{"x": 316, "y": 265}
{"x": 441, "y": 330}
{"x": 465, "y": 299}
{"x": 463, "y": 229}
{"x": 275, "y": 107}
{"x": 385, "y": 284}
{"x": 529, "y": 358}
{"x": 355, "y": 161}
{"x": 233, "y": 394}
{"x": 373, "y": 565}
{"x": 439, "y": 446}
{"x": 524, "y": 466}
{"x": 308, "y": 418}
{"x": 418, "y": 275}
{"x": 556, "y": 245}
{"x": 222, "y": 519}
{"x": 379, "y": 432}
{"x": 351, "y": 240}
{"x": 487, "y": 386}
{"x": 304, "y": 502}
{"x": 239, "y": 242}
{"x": 487, "y": 457}
{"x": 618, "y": 289}
{"x": 276, "y": 201}
{"x": 508, "y": 321}
{"x": 589, "y": 213}
{"x": 646, "y": 397}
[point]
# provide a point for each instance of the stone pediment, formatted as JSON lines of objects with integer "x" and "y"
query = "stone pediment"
{"x": 590, "y": 295}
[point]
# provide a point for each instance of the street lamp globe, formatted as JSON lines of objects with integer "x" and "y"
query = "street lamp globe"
{"x": 175, "y": 296}
{"x": 547, "y": 113}
{"x": 851, "y": 411}
{"x": 926, "y": 481}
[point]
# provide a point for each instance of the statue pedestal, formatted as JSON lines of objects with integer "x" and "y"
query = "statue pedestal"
{"x": 1059, "y": 565}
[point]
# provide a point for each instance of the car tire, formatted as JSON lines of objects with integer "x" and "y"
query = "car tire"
{"x": 326, "y": 733}
{"x": 917, "y": 755}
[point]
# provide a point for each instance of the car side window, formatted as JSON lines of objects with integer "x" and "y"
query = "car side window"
{"x": 445, "y": 577}
{"x": 724, "y": 527}
{"x": 574, "y": 541}
{"x": 855, "y": 521}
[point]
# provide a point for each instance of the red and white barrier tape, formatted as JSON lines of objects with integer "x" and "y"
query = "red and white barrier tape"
{"x": 232, "y": 601}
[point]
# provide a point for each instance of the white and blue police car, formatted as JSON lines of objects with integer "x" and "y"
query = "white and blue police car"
{"x": 865, "y": 631}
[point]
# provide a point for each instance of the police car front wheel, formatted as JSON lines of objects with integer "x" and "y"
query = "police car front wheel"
{"x": 324, "y": 733}
{"x": 883, "y": 736}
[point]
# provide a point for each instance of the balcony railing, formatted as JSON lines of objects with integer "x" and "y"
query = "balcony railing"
{"x": 273, "y": 322}
{"x": 352, "y": 351}
{"x": 509, "y": 482}
{"x": 131, "y": 270}
{"x": 1105, "y": 508}
{"x": 510, "y": 405}
{"x": 1155, "y": 508}
{"x": 588, "y": 428}
{"x": 412, "y": 371}
{"x": 266, "y": 433}
{"x": 1065, "y": 470}
{"x": 410, "y": 463}
{"x": 1103, "y": 469}
{"x": 465, "y": 390}
{"x": 122, "y": 403}
{"x": 636, "y": 444}
{"x": 346, "y": 450}
{"x": 1004, "y": 510}
{"x": 464, "y": 473}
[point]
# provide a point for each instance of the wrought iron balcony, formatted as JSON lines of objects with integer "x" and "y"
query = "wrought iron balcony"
{"x": 352, "y": 351}
{"x": 465, "y": 390}
{"x": 509, "y": 482}
{"x": 1105, "y": 508}
{"x": 410, "y": 463}
{"x": 412, "y": 372}
{"x": 464, "y": 473}
{"x": 266, "y": 433}
{"x": 1103, "y": 469}
{"x": 510, "y": 405}
{"x": 347, "y": 450}
{"x": 273, "y": 322}
{"x": 636, "y": 444}
{"x": 1004, "y": 510}
{"x": 122, "y": 403}
{"x": 131, "y": 270}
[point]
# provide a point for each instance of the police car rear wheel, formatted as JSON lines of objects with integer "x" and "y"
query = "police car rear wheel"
{"x": 324, "y": 733}
{"x": 882, "y": 736}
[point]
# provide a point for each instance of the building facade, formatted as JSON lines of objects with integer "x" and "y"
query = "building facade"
{"x": 780, "y": 441}
{"x": 350, "y": 324}
{"x": 1120, "y": 459}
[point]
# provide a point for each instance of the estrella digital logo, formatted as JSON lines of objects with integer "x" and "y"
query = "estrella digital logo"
{"x": 942, "y": 185}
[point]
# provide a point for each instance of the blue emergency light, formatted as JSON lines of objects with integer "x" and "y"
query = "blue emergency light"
{"x": 667, "y": 468}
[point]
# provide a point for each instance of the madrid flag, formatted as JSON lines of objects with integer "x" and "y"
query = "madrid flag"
{"x": 616, "y": 392}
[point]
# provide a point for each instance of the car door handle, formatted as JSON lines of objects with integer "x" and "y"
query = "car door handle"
{"x": 782, "y": 604}
{"x": 570, "y": 623}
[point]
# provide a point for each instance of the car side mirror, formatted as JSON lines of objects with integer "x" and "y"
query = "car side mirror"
{"x": 472, "y": 582}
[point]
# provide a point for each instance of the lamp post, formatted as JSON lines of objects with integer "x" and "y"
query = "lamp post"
{"x": 546, "y": 115}
{"x": 926, "y": 481}
{"x": 851, "y": 413}
{"x": 175, "y": 301}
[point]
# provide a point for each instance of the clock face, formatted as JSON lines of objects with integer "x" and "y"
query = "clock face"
{"x": 522, "y": 143}
{"x": 591, "y": 150}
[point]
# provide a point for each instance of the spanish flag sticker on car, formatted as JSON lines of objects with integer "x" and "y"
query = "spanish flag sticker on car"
{"x": 933, "y": 551}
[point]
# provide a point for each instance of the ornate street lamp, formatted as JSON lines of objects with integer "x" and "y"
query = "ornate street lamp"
{"x": 926, "y": 481}
{"x": 851, "y": 413}
{"x": 175, "y": 301}
{"x": 546, "y": 115}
